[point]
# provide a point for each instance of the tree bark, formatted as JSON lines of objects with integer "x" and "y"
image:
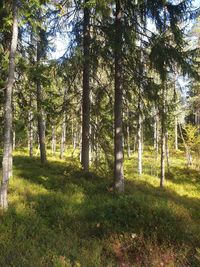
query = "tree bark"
{"x": 118, "y": 142}
{"x": 135, "y": 143}
{"x": 63, "y": 138}
{"x": 156, "y": 133}
{"x": 13, "y": 140}
{"x": 162, "y": 177}
{"x": 7, "y": 144}
{"x": 128, "y": 142}
{"x": 40, "y": 111}
{"x": 41, "y": 123}
{"x": 128, "y": 135}
{"x": 157, "y": 136}
{"x": 30, "y": 133}
{"x": 53, "y": 141}
{"x": 139, "y": 135}
{"x": 176, "y": 133}
{"x": 30, "y": 127}
{"x": 86, "y": 91}
{"x": 167, "y": 150}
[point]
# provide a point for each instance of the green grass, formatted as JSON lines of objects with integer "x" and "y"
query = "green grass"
{"x": 61, "y": 216}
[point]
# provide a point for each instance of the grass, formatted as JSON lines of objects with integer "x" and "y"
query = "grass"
{"x": 60, "y": 216}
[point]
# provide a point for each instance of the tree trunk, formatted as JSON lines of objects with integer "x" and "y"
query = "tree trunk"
{"x": 167, "y": 150}
{"x": 96, "y": 143}
{"x": 155, "y": 129}
{"x": 135, "y": 143}
{"x": 128, "y": 142}
{"x": 40, "y": 111}
{"x": 154, "y": 132}
{"x": 80, "y": 143}
{"x": 7, "y": 142}
{"x": 176, "y": 133}
{"x": 91, "y": 145}
{"x": 139, "y": 135}
{"x": 13, "y": 140}
{"x": 30, "y": 133}
{"x": 162, "y": 177}
{"x": 63, "y": 138}
{"x": 118, "y": 142}
{"x": 41, "y": 124}
{"x": 74, "y": 135}
{"x": 128, "y": 135}
{"x": 157, "y": 136}
{"x": 86, "y": 91}
{"x": 53, "y": 141}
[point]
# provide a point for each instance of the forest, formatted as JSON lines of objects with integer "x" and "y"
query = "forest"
{"x": 100, "y": 133}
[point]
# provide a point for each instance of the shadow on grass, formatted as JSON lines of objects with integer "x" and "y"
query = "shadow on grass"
{"x": 185, "y": 175}
{"x": 77, "y": 215}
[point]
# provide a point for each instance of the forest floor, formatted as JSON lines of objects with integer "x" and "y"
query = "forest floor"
{"x": 60, "y": 216}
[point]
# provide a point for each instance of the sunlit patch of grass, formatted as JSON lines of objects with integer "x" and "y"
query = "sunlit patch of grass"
{"x": 62, "y": 216}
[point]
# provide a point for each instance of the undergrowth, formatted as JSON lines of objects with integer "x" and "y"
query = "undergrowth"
{"x": 60, "y": 216}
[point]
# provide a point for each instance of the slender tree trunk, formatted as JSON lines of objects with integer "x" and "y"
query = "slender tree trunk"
{"x": 128, "y": 135}
{"x": 86, "y": 90}
{"x": 7, "y": 144}
{"x": 53, "y": 141}
{"x": 118, "y": 142}
{"x": 80, "y": 143}
{"x": 154, "y": 133}
{"x": 135, "y": 143}
{"x": 167, "y": 150}
{"x": 162, "y": 177}
{"x": 176, "y": 133}
{"x": 74, "y": 138}
{"x": 128, "y": 142}
{"x": 64, "y": 125}
{"x": 72, "y": 133}
{"x": 139, "y": 135}
{"x": 30, "y": 133}
{"x": 96, "y": 142}
{"x": 155, "y": 129}
{"x": 41, "y": 124}
{"x": 157, "y": 136}
{"x": 13, "y": 126}
{"x": 40, "y": 111}
{"x": 63, "y": 138}
{"x": 91, "y": 145}
{"x": 13, "y": 140}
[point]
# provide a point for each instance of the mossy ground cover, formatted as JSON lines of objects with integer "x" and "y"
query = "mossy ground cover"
{"x": 60, "y": 216}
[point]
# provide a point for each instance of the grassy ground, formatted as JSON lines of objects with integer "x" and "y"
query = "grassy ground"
{"x": 60, "y": 216}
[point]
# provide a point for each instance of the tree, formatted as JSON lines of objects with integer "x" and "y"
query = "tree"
{"x": 86, "y": 89}
{"x": 118, "y": 143}
{"x": 7, "y": 148}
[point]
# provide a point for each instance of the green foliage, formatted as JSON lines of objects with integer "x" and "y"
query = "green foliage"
{"x": 192, "y": 137}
